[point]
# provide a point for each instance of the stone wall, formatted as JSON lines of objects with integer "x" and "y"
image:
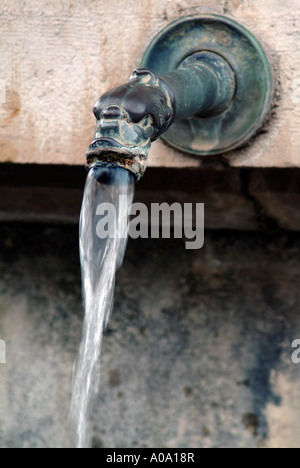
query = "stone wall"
{"x": 59, "y": 56}
{"x": 197, "y": 352}
{"x": 198, "y": 349}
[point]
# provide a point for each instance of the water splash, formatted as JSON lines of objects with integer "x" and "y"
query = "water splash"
{"x": 100, "y": 258}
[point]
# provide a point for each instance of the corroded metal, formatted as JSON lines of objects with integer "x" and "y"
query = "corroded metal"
{"x": 208, "y": 91}
{"x": 251, "y": 105}
{"x": 135, "y": 114}
{"x": 129, "y": 118}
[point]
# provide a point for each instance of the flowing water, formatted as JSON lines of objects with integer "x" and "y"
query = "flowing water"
{"x": 100, "y": 259}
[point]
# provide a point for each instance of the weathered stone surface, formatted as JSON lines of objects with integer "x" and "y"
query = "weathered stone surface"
{"x": 279, "y": 196}
{"x": 197, "y": 353}
{"x": 235, "y": 199}
{"x": 58, "y": 57}
{"x": 54, "y": 194}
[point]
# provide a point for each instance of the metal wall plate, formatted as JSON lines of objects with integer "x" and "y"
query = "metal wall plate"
{"x": 254, "y": 83}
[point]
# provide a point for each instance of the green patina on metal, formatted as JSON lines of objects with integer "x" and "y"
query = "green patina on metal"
{"x": 205, "y": 86}
{"x": 210, "y": 135}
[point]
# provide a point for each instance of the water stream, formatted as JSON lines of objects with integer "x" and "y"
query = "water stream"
{"x": 100, "y": 259}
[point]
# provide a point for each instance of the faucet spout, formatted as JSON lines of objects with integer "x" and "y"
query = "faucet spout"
{"x": 133, "y": 115}
{"x": 129, "y": 118}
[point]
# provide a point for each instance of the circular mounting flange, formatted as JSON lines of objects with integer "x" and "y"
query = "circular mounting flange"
{"x": 254, "y": 83}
